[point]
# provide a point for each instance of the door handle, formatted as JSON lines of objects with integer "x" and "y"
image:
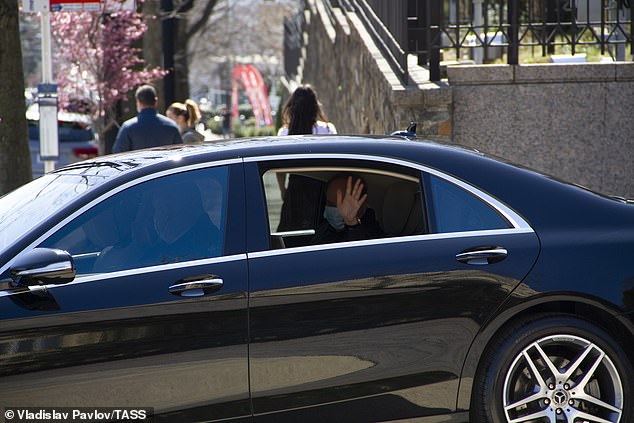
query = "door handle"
{"x": 482, "y": 255}
{"x": 197, "y": 287}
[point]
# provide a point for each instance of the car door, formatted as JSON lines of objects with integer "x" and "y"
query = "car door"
{"x": 376, "y": 329}
{"x": 157, "y": 314}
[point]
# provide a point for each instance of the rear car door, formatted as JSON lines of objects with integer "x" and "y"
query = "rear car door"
{"x": 157, "y": 314}
{"x": 374, "y": 329}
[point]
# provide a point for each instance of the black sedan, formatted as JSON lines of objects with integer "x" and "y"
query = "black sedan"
{"x": 223, "y": 281}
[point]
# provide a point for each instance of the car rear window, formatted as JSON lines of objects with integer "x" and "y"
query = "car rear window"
{"x": 456, "y": 210}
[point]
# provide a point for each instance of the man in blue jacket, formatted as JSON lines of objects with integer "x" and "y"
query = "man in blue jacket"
{"x": 149, "y": 128}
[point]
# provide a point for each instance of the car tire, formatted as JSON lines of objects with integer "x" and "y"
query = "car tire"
{"x": 595, "y": 388}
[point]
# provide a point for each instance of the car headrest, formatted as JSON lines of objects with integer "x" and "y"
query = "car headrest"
{"x": 402, "y": 213}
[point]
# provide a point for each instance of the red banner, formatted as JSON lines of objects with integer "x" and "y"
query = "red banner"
{"x": 254, "y": 86}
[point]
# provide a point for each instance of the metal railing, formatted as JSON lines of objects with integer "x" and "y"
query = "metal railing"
{"x": 293, "y": 29}
{"x": 392, "y": 11}
{"x": 486, "y": 31}
{"x": 386, "y": 21}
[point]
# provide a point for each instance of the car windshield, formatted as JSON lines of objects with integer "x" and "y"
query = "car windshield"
{"x": 26, "y": 207}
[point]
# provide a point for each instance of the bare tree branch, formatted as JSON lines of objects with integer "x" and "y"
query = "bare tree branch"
{"x": 202, "y": 19}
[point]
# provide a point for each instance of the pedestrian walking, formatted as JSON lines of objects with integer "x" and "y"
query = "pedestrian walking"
{"x": 226, "y": 121}
{"x": 302, "y": 115}
{"x": 149, "y": 128}
{"x": 186, "y": 115}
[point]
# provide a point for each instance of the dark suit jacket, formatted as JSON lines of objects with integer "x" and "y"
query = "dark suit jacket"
{"x": 148, "y": 129}
{"x": 368, "y": 229}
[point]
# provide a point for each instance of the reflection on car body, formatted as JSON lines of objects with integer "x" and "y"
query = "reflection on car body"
{"x": 492, "y": 292}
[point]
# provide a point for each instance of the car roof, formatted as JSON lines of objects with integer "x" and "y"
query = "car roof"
{"x": 183, "y": 154}
{"x": 458, "y": 161}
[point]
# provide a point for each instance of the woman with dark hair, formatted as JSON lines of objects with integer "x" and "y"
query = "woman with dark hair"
{"x": 302, "y": 114}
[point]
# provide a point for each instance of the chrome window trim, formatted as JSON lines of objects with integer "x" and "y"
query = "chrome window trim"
{"x": 349, "y": 169}
{"x": 117, "y": 190}
{"x": 387, "y": 241}
{"x": 301, "y": 232}
{"x": 138, "y": 271}
{"x": 510, "y": 215}
{"x": 86, "y": 255}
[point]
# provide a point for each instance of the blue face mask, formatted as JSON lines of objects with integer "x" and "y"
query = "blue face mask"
{"x": 331, "y": 214}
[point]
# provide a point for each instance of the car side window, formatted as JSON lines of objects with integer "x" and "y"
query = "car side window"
{"x": 456, "y": 210}
{"x": 171, "y": 219}
{"x": 301, "y": 205}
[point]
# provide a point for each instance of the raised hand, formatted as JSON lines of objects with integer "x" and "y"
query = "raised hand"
{"x": 350, "y": 202}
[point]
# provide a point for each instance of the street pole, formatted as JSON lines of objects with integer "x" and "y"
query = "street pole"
{"x": 47, "y": 100}
{"x": 47, "y": 68}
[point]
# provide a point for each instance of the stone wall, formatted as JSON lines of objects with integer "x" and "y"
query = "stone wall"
{"x": 571, "y": 121}
{"x": 359, "y": 91}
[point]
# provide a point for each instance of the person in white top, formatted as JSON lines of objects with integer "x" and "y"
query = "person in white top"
{"x": 303, "y": 115}
{"x": 319, "y": 128}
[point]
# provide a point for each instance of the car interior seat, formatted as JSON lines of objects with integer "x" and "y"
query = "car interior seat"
{"x": 402, "y": 211}
{"x": 277, "y": 242}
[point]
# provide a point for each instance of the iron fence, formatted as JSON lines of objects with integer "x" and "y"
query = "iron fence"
{"x": 484, "y": 31}
{"x": 487, "y": 30}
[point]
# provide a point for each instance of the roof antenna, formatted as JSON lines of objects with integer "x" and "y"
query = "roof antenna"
{"x": 409, "y": 133}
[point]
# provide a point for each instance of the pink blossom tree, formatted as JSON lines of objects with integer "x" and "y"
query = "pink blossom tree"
{"x": 98, "y": 63}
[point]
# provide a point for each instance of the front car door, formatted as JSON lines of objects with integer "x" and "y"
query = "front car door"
{"x": 157, "y": 314}
{"x": 375, "y": 329}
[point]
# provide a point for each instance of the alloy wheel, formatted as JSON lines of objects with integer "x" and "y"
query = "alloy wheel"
{"x": 562, "y": 378}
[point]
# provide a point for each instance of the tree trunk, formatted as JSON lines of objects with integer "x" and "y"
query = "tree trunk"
{"x": 15, "y": 163}
{"x": 181, "y": 58}
{"x": 183, "y": 31}
{"x": 152, "y": 53}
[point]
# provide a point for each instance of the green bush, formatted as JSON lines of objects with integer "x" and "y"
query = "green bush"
{"x": 214, "y": 126}
{"x": 238, "y": 131}
{"x": 246, "y": 110}
{"x": 278, "y": 115}
{"x": 247, "y": 131}
{"x": 265, "y": 131}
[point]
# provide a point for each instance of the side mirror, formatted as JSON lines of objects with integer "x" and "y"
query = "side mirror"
{"x": 43, "y": 266}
